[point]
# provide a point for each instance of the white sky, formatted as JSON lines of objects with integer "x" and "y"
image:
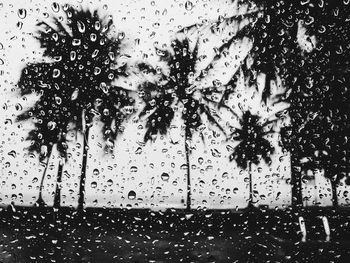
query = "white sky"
{"x": 216, "y": 182}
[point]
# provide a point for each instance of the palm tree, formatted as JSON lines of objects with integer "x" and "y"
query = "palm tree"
{"x": 273, "y": 28}
{"x": 75, "y": 86}
{"x": 252, "y": 144}
{"x": 323, "y": 129}
{"x": 331, "y": 76}
{"x": 174, "y": 89}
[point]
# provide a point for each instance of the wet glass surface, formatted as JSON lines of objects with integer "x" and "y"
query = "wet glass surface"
{"x": 174, "y": 131}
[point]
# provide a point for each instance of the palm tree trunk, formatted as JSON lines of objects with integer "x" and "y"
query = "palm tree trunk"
{"x": 81, "y": 199}
{"x": 334, "y": 194}
{"x": 187, "y": 153}
{"x": 250, "y": 204}
{"x": 57, "y": 198}
{"x": 40, "y": 201}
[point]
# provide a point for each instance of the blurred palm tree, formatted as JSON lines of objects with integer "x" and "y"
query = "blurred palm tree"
{"x": 323, "y": 131}
{"x": 74, "y": 85}
{"x": 176, "y": 88}
{"x": 274, "y": 30}
{"x": 252, "y": 144}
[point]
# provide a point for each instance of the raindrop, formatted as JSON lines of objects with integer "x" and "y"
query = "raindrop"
{"x": 12, "y": 153}
{"x": 121, "y": 35}
{"x": 138, "y": 150}
{"x": 19, "y": 25}
{"x": 97, "y": 70}
{"x": 189, "y": 5}
{"x": 22, "y": 13}
{"x": 35, "y": 180}
{"x": 76, "y": 42}
{"x": 1, "y": 62}
{"x": 51, "y": 125}
{"x": 93, "y": 185}
{"x": 81, "y": 27}
{"x": 93, "y": 37}
{"x": 55, "y": 7}
{"x": 97, "y": 25}
{"x": 95, "y": 53}
{"x": 18, "y": 107}
{"x": 133, "y": 169}
{"x": 55, "y": 37}
{"x": 110, "y": 182}
{"x": 58, "y": 100}
{"x": 56, "y": 73}
{"x": 75, "y": 94}
{"x": 96, "y": 172}
{"x": 165, "y": 177}
{"x": 8, "y": 121}
{"x": 131, "y": 195}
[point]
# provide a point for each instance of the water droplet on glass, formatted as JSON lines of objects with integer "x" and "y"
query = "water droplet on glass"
{"x": 22, "y": 13}
{"x": 51, "y": 125}
{"x": 131, "y": 195}
{"x": 110, "y": 182}
{"x": 58, "y": 100}
{"x": 93, "y": 185}
{"x": 133, "y": 169}
{"x": 97, "y": 71}
{"x": 93, "y": 37}
{"x": 76, "y": 42}
{"x": 19, "y": 25}
{"x": 56, "y": 73}
{"x": 18, "y": 107}
{"x": 55, "y": 7}
{"x": 121, "y": 35}
{"x": 188, "y": 5}
{"x": 138, "y": 150}
{"x": 97, "y": 25}
{"x": 81, "y": 27}
{"x": 75, "y": 94}
{"x": 165, "y": 177}
{"x": 12, "y": 153}
{"x": 96, "y": 172}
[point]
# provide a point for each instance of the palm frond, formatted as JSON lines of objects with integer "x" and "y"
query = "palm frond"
{"x": 83, "y": 55}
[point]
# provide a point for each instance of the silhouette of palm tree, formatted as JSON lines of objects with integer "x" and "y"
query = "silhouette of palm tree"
{"x": 74, "y": 87}
{"x": 174, "y": 89}
{"x": 324, "y": 105}
{"x": 252, "y": 144}
{"x": 273, "y": 29}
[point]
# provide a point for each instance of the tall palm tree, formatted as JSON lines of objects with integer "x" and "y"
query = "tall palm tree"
{"x": 276, "y": 52}
{"x": 323, "y": 132}
{"x": 252, "y": 144}
{"x": 74, "y": 86}
{"x": 273, "y": 28}
{"x": 177, "y": 88}
{"x": 331, "y": 76}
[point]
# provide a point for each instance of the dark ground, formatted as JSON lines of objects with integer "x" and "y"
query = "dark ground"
{"x": 101, "y": 235}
